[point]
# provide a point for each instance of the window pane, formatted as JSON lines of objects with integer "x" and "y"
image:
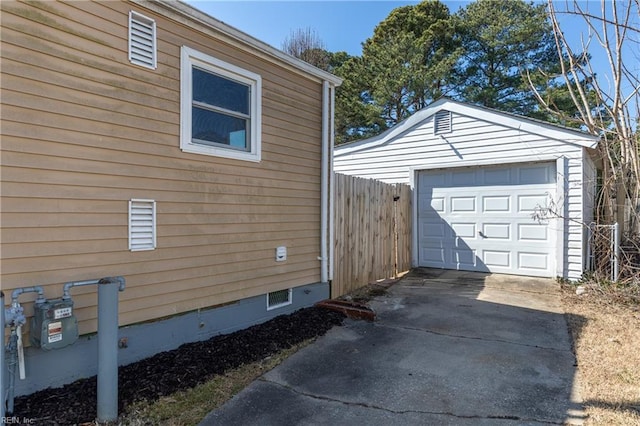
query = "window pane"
{"x": 221, "y": 92}
{"x": 211, "y": 128}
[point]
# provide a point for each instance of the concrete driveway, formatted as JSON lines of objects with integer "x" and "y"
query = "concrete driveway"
{"x": 447, "y": 347}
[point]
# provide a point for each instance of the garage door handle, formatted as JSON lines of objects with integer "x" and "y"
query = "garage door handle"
{"x": 481, "y": 234}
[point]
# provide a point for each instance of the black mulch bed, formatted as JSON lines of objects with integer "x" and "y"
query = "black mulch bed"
{"x": 178, "y": 369}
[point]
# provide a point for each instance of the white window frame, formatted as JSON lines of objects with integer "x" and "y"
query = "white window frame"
{"x": 191, "y": 58}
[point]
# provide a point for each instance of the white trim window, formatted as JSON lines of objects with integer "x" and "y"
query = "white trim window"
{"x": 220, "y": 108}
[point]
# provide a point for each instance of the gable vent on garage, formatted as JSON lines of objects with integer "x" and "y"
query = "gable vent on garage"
{"x": 142, "y": 40}
{"x": 442, "y": 122}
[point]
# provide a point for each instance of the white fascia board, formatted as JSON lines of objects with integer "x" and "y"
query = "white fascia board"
{"x": 387, "y": 135}
{"x": 525, "y": 124}
{"x": 199, "y": 20}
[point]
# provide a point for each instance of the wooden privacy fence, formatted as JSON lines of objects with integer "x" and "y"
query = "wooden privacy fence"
{"x": 372, "y": 232}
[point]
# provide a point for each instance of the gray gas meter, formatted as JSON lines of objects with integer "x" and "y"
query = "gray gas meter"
{"x": 53, "y": 325}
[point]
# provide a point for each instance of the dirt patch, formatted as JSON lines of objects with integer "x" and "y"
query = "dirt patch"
{"x": 368, "y": 292}
{"x": 178, "y": 369}
{"x": 605, "y": 326}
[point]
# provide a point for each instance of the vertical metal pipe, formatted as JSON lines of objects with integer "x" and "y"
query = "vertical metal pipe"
{"x": 324, "y": 187}
{"x": 13, "y": 361}
{"x": 2, "y": 364}
{"x": 332, "y": 183}
{"x": 588, "y": 261}
{"x": 616, "y": 251}
{"x": 108, "y": 349}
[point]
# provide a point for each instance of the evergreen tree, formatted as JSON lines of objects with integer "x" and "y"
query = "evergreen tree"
{"x": 502, "y": 41}
{"x": 497, "y": 53}
{"x": 407, "y": 61}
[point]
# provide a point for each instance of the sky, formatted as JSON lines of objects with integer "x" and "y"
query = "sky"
{"x": 341, "y": 25}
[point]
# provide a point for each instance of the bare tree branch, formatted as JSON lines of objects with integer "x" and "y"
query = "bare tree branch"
{"x": 608, "y": 103}
{"x": 306, "y": 44}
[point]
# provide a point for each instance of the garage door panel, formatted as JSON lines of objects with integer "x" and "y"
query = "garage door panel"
{"x": 533, "y": 232}
{"x": 464, "y": 257}
{"x": 464, "y": 230}
{"x": 463, "y": 204}
{"x": 496, "y": 258}
{"x": 437, "y": 204}
{"x": 463, "y": 178}
{"x": 498, "y": 177}
{"x": 482, "y": 219}
{"x": 496, "y": 204}
{"x": 536, "y": 175}
{"x": 531, "y": 203}
{"x": 433, "y": 256}
{"x": 434, "y": 231}
{"x": 500, "y": 231}
{"x": 533, "y": 261}
{"x": 436, "y": 179}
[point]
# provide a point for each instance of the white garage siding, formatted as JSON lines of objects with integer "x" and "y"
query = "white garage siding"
{"x": 481, "y": 137}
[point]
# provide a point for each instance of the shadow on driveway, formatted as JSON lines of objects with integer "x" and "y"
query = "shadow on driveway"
{"x": 448, "y": 347}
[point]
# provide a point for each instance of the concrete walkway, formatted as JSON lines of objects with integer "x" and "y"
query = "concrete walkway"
{"x": 447, "y": 348}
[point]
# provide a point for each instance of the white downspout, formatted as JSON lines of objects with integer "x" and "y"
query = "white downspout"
{"x": 3, "y": 395}
{"x": 324, "y": 185}
{"x": 332, "y": 213}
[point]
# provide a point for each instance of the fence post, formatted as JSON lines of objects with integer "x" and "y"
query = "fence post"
{"x": 616, "y": 252}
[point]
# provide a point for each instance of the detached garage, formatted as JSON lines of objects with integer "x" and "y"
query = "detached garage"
{"x": 484, "y": 184}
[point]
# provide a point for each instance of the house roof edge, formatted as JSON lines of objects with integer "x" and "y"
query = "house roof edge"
{"x": 195, "y": 15}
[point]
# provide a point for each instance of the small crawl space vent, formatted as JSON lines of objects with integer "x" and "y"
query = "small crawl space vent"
{"x": 277, "y": 299}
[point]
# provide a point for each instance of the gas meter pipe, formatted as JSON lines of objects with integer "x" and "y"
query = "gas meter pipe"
{"x": 16, "y": 320}
{"x": 12, "y": 348}
{"x": 35, "y": 289}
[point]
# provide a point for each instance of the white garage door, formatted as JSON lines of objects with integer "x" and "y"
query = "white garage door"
{"x": 480, "y": 219}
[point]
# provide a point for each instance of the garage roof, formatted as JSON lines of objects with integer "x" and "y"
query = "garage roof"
{"x": 551, "y": 131}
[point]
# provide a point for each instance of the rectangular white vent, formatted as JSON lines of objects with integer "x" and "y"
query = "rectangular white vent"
{"x": 278, "y": 299}
{"x": 142, "y": 225}
{"x": 442, "y": 122}
{"x": 142, "y": 40}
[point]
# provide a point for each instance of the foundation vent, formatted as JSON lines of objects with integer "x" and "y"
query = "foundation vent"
{"x": 278, "y": 299}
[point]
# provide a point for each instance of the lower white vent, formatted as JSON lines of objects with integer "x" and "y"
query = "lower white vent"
{"x": 278, "y": 299}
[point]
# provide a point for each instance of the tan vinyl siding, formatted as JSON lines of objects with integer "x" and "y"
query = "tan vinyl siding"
{"x": 84, "y": 131}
